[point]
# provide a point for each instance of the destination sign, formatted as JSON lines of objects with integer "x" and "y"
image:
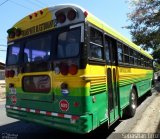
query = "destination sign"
{"x": 39, "y": 28}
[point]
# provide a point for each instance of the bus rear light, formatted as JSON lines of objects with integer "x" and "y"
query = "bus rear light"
{"x": 11, "y": 32}
{"x": 76, "y": 104}
{"x": 41, "y": 12}
{"x": 85, "y": 13}
{"x": 18, "y": 32}
{"x": 71, "y": 15}
{"x": 11, "y": 73}
{"x": 35, "y": 14}
{"x": 30, "y": 16}
{"x": 12, "y": 35}
{"x": 61, "y": 18}
{"x": 7, "y": 73}
{"x": 64, "y": 69}
{"x": 73, "y": 69}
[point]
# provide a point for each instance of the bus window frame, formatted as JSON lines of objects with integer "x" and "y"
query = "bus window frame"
{"x": 132, "y": 56}
{"x": 10, "y": 44}
{"x": 112, "y": 48}
{"x": 24, "y": 66}
{"x": 116, "y": 41}
{"x": 82, "y": 29}
{"x": 91, "y": 59}
{"x": 120, "y": 53}
{"x": 49, "y": 33}
{"x": 66, "y": 29}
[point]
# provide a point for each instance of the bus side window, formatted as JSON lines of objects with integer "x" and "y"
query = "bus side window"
{"x": 120, "y": 52}
{"x": 126, "y": 54}
{"x": 96, "y": 51}
{"x": 96, "y": 43}
{"x": 107, "y": 45}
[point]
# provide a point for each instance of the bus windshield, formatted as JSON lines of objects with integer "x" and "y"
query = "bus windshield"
{"x": 37, "y": 49}
{"x": 69, "y": 43}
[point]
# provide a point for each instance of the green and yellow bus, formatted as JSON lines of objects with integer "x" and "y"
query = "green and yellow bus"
{"x": 67, "y": 69}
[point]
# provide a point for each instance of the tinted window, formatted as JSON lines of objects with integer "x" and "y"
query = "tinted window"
{"x": 96, "y": 36}
{"x": 96, "y": 51}
{"x": 37, "y": 49}
{"x": 96, "y": 41}
{"x": 69, "y": 43}
{"x": 13, "y": 54}
{"x": 126, "y": 54}
{"x": 120, "y": 52}
{"x": 107, "y": 44}
{"x": 37, "y": 84}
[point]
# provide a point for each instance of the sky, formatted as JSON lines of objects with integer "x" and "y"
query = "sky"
{"x": 112, "y": 12}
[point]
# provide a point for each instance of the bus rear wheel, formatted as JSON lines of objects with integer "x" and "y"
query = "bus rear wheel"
{"x": 149, "y": 93}
{"x": 133, "y": 103}
{"x": 131, "y": 109}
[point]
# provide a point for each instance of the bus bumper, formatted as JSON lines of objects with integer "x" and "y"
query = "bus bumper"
{"x": 77, "y": 124}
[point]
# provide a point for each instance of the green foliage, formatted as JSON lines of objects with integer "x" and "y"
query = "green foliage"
{"x": 145, "y": 26}
{"x": 156, "y": 67}
{"x": 145, "y": 23}
{"x": 156, "y": 54}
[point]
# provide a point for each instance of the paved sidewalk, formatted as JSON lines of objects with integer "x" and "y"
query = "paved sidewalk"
{"x": 2, "y": 99}
{"x": 150, "y": 121}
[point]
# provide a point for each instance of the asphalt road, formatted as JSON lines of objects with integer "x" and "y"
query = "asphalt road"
{"x": 12, "y": 128}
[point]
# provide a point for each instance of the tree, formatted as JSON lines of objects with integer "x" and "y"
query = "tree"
{"x": 145, "y": 26}
{"x": 145, "y": 23}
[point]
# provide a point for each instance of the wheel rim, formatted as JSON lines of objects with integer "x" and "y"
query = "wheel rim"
{"x": 133, "y": 101}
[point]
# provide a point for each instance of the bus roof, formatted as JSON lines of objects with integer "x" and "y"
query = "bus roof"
{"x": 45, "y": 19}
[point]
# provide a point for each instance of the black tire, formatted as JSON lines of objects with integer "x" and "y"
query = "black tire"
{"x": 153, "y": 83}
{"x": 131, "y": 109}
{"x": 132, "y": 103}
{"x": 149, "y": 93}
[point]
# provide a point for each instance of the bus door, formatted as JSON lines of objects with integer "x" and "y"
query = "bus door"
{"x": 111, "y": 77}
